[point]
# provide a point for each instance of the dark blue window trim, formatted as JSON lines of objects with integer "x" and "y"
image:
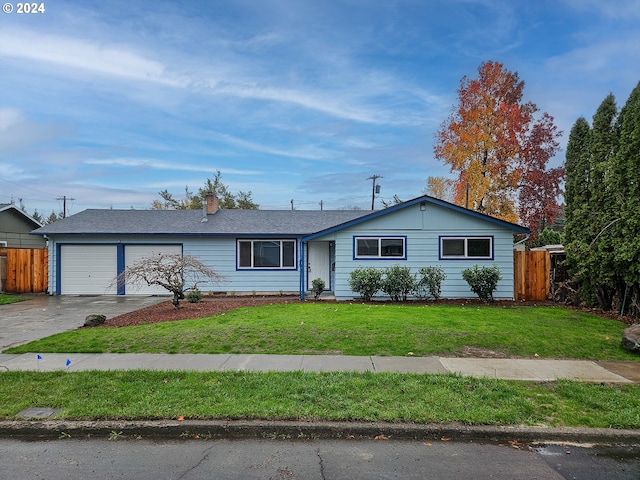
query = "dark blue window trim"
{"x": 262, "y": 269}
{"x": 379, "y": 257}
{"x": 465, "y": 238}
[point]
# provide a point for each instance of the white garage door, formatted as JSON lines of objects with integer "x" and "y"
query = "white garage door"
{"x": 87, "y": 269}
{"x": 134, "y": 253}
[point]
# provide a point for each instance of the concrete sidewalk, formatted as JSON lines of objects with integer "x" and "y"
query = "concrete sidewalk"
{"x": 538, "y": 370}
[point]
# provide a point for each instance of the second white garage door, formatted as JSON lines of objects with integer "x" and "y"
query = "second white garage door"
{"x": 133, "y": 253}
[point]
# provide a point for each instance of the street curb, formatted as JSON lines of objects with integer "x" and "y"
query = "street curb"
{"x": 212, "y": 429}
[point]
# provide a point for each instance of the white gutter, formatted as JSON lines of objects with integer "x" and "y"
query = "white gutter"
{"x": 522, "y": 241}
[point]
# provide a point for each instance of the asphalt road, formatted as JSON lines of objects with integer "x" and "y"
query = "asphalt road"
{"x": 273, "y": 459}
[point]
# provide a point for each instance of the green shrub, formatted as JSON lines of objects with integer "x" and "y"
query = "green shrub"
{"x": 482, "y": 281}
{"x": 194, "y": 296}
{"x": 398, "y": 282}
{"x": 429, "y": 282}
{"x": 547, "y": 237}
{"x": 365, "y": 281}
{"x": 317, "y": 287}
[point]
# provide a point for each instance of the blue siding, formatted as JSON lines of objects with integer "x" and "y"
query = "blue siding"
{"x": 420, "y": 223}
{"x": 219, "y": 253}
{"x": 423, "y": 230}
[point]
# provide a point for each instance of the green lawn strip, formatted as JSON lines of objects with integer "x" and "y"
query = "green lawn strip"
{"x": 6, "y": 299}
{"x": 360, "y": 329}
{"x": 339, "y": 396}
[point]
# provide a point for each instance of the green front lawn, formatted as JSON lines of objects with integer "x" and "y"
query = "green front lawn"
{"x": 339, "y": 396}
{"x": 350, "y": 329}
{"x": 361, "y": 329}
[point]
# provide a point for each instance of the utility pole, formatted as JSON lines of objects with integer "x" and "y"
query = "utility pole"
{"x": 64, "y": 204}
{"x": 374, "y": 190}
{"x": 321, "y": 205}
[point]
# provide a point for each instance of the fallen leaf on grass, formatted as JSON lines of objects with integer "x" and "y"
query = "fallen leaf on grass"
{"x": 380, "y": 437}
{"x": 181, "y": 418}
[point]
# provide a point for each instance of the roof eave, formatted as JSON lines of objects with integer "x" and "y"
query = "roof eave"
{"x": 425, "y": 198}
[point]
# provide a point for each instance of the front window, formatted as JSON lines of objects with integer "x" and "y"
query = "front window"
{"x": 466, "y": 247}
{"x": 266, "y": 254}
{"x": 380, "y": 247}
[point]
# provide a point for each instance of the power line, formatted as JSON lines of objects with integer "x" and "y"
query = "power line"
{"x": 27, "y": 187}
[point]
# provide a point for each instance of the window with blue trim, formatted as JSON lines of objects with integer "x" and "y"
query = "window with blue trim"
{"x": 380, "y": 247}
{"x": 257, "y": 254}
{"x": 466, "y": 247}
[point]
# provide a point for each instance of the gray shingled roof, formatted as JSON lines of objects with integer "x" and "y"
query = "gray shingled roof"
{"x": 189, "y": 222}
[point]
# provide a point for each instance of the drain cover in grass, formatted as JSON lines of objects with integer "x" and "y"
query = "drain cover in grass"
{"x": 37, "y": 412}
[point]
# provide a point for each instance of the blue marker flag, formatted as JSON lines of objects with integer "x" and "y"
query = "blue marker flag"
{"x": 68, "y": 362}
{"x": 39, "y": 357}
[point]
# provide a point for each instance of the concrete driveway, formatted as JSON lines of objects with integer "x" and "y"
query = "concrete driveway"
{"x": 44, "y": 315}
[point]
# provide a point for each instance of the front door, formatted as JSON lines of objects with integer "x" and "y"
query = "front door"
{"x": 319, "y": 263}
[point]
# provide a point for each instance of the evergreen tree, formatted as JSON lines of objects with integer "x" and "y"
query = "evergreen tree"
{"x": 602, "y": 234}
{"x": 54, "y": 217}
{"x": 624, "y": 180}
{"x": 576, "y": 190}
{"x": 577, "y": 201}
{"x": 600, "y": 257}
{"x": 37, "y": 217}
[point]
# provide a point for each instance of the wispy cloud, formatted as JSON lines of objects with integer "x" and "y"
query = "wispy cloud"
{"x": 358, "y": 102}
{"x": 308, "y": 152}
{"x": 599, "y": 60}
{"x": 105, "y": 59}
{"x": 114, "y": 101}
{"x": 614, "y": 9}
{"x": 19, "y": 133}
{"x": 170, "y": 166}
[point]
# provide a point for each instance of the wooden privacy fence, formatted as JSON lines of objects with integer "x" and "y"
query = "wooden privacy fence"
{"x": 531, "y": 272}
{"x": 25, "y": 270}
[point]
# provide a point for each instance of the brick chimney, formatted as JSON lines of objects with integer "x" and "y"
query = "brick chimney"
{"x": 212, "y": 203}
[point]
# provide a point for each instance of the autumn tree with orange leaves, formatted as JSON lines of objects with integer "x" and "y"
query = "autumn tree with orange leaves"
{"x": 500, "y": 149}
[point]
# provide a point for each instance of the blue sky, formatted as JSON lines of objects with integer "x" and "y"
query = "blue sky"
{"x": 109, "y": 102}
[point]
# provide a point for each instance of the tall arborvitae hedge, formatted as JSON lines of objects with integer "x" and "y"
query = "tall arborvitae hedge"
{"x": 602, "y": 196}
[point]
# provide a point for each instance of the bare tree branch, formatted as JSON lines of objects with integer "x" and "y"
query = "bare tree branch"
{"x": 174, "y": 272}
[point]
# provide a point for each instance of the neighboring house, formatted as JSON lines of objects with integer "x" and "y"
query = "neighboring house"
{"x": 280, "y": 250}
{"x": 15, "y": 226}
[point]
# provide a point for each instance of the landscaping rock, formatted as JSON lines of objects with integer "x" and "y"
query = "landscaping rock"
{"x": 631, "y": 339}
{"x": 94, "y": 320}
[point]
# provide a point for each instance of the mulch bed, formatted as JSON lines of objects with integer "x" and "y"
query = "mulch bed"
{"x": 166, "y": 312}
